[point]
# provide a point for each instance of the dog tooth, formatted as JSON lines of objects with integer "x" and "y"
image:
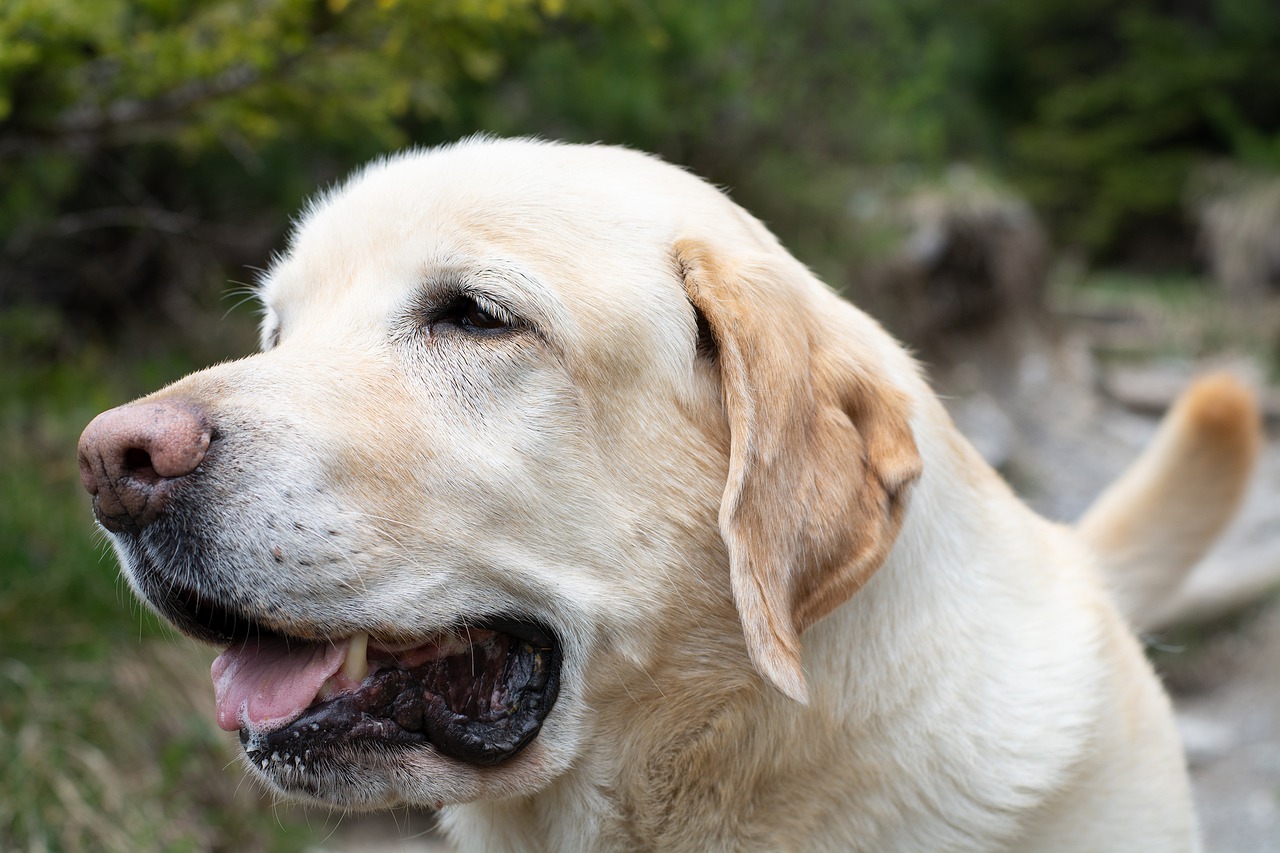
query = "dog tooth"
{"x": 356, "y": 666}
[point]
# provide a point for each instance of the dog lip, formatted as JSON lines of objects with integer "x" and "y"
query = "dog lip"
{"x": 206, "y": 619}
{"x": 342, "y": 718}
{"x": 481, "y": 715}
{"x": 211, "y": 622}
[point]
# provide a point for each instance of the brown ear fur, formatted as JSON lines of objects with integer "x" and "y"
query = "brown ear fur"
{"x": 821, "y": 452}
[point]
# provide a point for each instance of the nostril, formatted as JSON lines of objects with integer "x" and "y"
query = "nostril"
{"x": 137, "y": 462}
{"x": 137, "y": 465}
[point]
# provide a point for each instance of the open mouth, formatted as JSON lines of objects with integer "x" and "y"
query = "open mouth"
{"x": 477, "y": 694}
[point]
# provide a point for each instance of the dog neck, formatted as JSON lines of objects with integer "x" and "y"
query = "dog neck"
{"x": 692, "y": 751}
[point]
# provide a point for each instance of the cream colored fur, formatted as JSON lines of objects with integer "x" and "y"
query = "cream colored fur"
{"x": 798, "y": 610}
{"x": 1155, "y": 523}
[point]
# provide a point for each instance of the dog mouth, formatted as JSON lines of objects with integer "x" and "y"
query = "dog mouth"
{"x": 477, "y": 693}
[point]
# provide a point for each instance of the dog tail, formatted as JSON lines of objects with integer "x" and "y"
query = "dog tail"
{"x": 1154, "y": 523}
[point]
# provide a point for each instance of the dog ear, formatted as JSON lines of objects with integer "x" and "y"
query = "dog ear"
{"x": 821, "y": 453}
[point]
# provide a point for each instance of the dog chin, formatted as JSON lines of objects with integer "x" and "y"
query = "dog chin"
{"x": 368, "y": 777}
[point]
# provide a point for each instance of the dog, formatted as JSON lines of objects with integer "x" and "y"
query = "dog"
{"x": 561, "y": 498}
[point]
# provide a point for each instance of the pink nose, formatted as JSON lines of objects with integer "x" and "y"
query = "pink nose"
{"x": 131, "y": 457}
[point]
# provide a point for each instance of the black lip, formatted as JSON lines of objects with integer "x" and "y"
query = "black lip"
{"x": 205, "y": 620}
{"x": 402, "y": 708}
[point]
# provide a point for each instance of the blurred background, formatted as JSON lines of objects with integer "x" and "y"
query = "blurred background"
{"x": 1066, "y": 207}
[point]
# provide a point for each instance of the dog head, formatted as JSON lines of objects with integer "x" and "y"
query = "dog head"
{"x": 527, "y": 418}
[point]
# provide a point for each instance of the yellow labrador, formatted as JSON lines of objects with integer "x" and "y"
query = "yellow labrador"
{"x": 562, "y": 498}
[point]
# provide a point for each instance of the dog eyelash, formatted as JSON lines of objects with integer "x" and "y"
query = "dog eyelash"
{"x": 476, "y": 314}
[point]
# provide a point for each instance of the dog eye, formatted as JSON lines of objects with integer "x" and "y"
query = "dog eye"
{"x": 476, "y": 314}
{"x": 476, "y": 317}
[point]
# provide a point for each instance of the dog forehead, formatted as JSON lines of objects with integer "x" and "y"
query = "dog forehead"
{"x": 588, "y": 230}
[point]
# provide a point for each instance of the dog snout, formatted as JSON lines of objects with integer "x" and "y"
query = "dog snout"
{"x": 131, "y": 457}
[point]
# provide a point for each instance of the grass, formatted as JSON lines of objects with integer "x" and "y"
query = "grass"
{"x": 107, "y": 741}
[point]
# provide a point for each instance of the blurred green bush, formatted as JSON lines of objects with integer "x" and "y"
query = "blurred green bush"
{"x": 148, "y": 146}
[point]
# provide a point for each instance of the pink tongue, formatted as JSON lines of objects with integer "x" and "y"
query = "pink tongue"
{"x": 266, "y": 682}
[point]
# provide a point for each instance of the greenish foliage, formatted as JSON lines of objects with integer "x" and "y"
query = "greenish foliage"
{"x": 1098, "y": 110}
{"x": 166, "y": 138}
{"x": 1109, "y": 106}
{"x": 790, "y": 106}
{"x": 136, "y": 135}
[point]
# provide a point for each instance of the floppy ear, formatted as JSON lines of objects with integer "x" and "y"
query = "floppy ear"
{"x": 821, "y": 453}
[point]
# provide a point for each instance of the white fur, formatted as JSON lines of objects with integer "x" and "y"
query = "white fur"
{"x": 979, "y": 693}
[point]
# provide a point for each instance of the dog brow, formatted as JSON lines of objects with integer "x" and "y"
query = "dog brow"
{"x": 522, "y": 293}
